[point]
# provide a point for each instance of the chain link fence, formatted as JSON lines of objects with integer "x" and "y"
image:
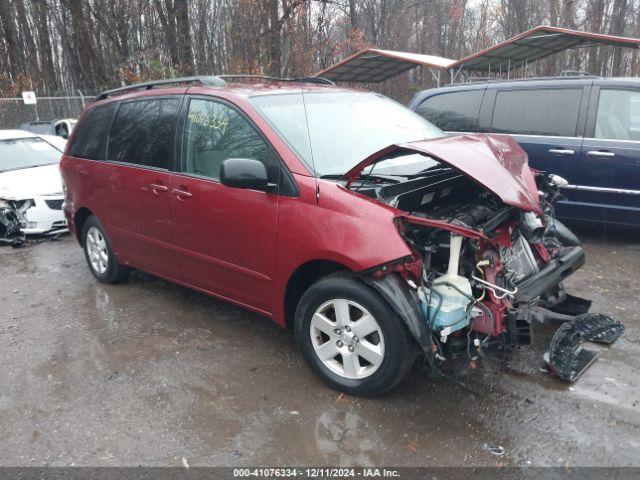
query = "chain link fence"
{"x": 14, "y": 112}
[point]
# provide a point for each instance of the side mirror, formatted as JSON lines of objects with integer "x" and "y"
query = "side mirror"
{"x": 245, "y": 173}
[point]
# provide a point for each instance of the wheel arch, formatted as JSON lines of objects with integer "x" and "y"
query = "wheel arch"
{"x": 302, "y": 278}
{"x": 79, "y": 218}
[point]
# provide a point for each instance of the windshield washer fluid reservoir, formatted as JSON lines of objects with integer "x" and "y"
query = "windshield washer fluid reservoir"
{"x": 453, "y": 313}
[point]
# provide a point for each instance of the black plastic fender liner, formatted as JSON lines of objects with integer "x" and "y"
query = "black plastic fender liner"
{"x": 404, "y": 301}
{"x": 599, "y": 328}
{"x": 566, "y": 357}
{"x": 572, "y": 305}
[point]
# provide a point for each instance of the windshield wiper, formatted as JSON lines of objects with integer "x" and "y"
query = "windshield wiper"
{"x": 390, "y": 177}
{"x": 428, "y": 171}
{"x": 366, "y": 176}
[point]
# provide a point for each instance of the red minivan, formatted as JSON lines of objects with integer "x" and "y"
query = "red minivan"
{"x": 337, "y": 212}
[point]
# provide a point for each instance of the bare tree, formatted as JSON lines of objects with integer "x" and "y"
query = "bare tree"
{"x": 10, "y": 34}
{"x": 617, "y": 28}
{"x": 91, "y": 44}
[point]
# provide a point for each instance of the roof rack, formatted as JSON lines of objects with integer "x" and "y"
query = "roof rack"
{"x": 564, "y": 76}
{"x": 576, "y": 73}
{"x": 211, "y": 80}
{"x": 242, "y": 76}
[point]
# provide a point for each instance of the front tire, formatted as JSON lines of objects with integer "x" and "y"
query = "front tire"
{"x": 100, "y": 256}
{"x": 351, "y": 337}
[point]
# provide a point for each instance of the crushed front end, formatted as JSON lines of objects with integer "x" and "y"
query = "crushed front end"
{"x": 10, "y": 225}
{"x": 37, "y": 214}
{"x": 484, "y": 271}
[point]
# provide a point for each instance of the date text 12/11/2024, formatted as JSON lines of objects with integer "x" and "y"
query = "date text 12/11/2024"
{"x": 320, "y": 472}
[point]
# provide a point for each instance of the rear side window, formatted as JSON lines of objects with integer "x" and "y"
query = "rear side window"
{"x": 143, "y": 133}
{"x": 91, "y": 132}
{"x": 455, "y": 111}
{"x": 552, "y": 112}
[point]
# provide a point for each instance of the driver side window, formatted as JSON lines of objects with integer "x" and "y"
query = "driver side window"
{"x": 214, "y": 132}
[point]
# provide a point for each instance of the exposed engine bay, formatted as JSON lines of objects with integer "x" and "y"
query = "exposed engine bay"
{"x": 483, "y": 271}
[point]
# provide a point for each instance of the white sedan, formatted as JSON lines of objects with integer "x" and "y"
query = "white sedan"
{"x": 58, "y": 142}
{"x": 30, "y": 181}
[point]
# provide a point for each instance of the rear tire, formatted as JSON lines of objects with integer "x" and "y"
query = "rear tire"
{"x": 352, "y": 338}
{"x": 100, "y": 256}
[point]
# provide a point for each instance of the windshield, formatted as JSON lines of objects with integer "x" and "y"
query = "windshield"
{"x": 19, "y": 153}
{"x": 344, "y": 127}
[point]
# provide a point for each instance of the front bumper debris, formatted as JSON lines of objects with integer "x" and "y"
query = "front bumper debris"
{"x": 600, "y": 328}
{"x": 10, "y": 232}
{"x": 551, "y": 275}
{"x": 566, "y": 357}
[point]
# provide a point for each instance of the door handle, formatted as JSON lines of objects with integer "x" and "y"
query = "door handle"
{"x": 181, "y": 193}
{"x": 599, "y": 153}
{"x": 157, "y": 188}
{"x": 562, "y": 151}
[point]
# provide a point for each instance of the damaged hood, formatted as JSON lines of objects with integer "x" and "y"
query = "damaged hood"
{"x": 26, "y": 183}
{"x": 496, "y": 162}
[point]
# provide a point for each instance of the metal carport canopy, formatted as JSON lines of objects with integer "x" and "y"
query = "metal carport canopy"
{"x": 373, "y": 65}
{"x": 534, "y": 44}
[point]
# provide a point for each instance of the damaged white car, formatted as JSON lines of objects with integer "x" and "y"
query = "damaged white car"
{"x": 31, "y": 194}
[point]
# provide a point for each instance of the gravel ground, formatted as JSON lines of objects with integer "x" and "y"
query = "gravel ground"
{"x": 149, "y": 373}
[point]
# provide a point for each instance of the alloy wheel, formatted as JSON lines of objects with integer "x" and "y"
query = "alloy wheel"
{"x": 97, "y": 251}
{"x": 347, "y": 339}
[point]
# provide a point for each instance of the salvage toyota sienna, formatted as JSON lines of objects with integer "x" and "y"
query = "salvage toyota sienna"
{"x": 336, "y": 212}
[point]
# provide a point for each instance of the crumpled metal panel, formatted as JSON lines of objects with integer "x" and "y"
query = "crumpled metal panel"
{"x": 496, "y": 162}
{"x": 10, "y": 227}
